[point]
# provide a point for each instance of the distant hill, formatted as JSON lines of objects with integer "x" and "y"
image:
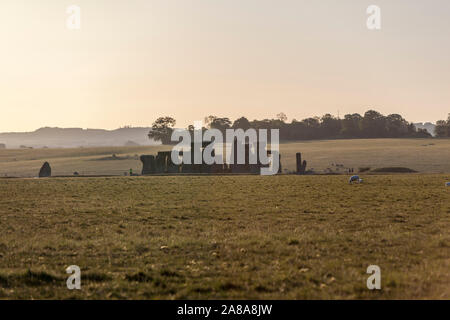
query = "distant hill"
{"x": 427, "y": 125}
{"x": 76, "y": 137}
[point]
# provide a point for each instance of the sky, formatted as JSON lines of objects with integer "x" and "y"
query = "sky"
{"x": 135, "y": 60}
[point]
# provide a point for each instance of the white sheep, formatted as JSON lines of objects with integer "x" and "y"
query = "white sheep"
{"x": 354, "y": 179}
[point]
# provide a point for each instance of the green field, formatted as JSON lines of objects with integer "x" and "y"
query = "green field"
{"x": 423, "y": 155}
{"x": 279, "y": 237}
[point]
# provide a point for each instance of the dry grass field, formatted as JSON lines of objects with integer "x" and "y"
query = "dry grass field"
{"x": 423, "y": 155}
{"x": 280, "y": 237}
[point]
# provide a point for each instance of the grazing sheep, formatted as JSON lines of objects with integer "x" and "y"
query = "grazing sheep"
{"x": 354, "y": 178}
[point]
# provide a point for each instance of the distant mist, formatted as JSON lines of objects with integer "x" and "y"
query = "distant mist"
{"x": 76, "y": 137}
{"x": 427, "y": 125}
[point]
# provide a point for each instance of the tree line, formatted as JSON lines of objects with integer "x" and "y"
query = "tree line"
{"x": 353, "y": 126}
{"x": 443, "y": 128}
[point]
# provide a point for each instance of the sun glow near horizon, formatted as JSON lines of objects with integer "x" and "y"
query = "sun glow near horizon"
{"x": 133, "y": 61}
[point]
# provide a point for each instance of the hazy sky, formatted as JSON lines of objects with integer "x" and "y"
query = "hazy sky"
{"x": 135, "y": 60}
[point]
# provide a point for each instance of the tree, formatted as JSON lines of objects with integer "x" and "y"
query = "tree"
{"x": 351, "y": 125}
{"x": 282, "y": 117}
{"x": 311, "y": 128}
{"x": 443, "y": 128}
{"x": 296, "y": 130}
{"x": 162, "y": 130}
{"x": 330, "y": 126}
{"x": 373, "y": 125}
{"x": 396, "y": 126}
{"x": 221, "y": 124}
{"x": 241, "y": 123}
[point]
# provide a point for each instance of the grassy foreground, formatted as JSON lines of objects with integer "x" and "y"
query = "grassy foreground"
{"x": 283, "y": 237}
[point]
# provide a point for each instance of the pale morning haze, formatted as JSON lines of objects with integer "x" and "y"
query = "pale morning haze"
{"x": 133, "y": 61}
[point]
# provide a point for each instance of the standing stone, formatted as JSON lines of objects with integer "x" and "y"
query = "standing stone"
{"x": 196, "y": 149}
{"x": 298, "y": 156}
{"x": 301, "y": 165}
{"x": 148, "y": 164}
{"x": 46, "y": 171}
{"x": 172, "y": 167}
{"x": 235, "y": 166}
{"x": 246, "y": 166}
{"x": 186, "y": 168}
{"x": 217, "y": 168}
{"x": 267, "y": 165}
{"x": 280, "y": 168}
{"x": 255, "y": 168}
{"x": 162, "y": 161}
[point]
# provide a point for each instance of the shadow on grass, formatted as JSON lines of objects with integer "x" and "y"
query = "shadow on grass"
{"x": 41, "y": 278}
